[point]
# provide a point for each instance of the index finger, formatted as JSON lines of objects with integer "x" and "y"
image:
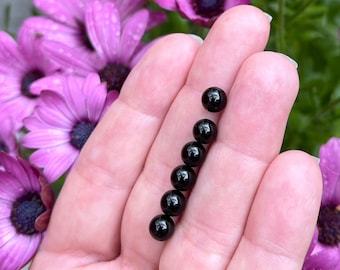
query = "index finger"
{"x": 86, "y": 218}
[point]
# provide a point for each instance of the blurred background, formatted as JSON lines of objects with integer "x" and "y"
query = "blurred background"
{"x": 13, "y": 12}
{"x": 306, "y": 30}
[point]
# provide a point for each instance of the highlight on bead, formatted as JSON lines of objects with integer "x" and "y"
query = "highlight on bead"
{"x": 162, "y": 227}
{"x": 183, "y": 177}
{"x": 214, "y": 99}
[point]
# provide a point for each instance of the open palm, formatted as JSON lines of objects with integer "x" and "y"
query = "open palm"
{"x": 251, "y": 207}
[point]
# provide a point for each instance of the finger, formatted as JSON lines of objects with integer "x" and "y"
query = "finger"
{"x": 282, "y": 219}
{"x": 240, "y": 32}
{"x": 86, "y": 218}
{"x": 250, "y": 135}
{"x": 218, "y": 48}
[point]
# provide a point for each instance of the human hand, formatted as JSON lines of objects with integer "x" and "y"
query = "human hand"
{"x": 251, "y": 207}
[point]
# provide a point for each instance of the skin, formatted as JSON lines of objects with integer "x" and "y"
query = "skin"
{"x": 252, "y": 207}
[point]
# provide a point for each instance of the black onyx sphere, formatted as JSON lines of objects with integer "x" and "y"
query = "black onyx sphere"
{"x": 193, "y": 154}
{"x": 214, "y": 99}
{"x": 161, "y": 227}
{"x": 183, "y": 177}
{"x": 205, "y": 131}
{"x": 173, "y": 203}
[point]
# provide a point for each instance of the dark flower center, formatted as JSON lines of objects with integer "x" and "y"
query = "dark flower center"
{"x": 80, "y": 133}
{"x": 208, "y": 8}
{"x": 25, "y": 212}
{"x": 329, "y": 225}
{"x": 84, "y": 36}
{"x": 27, "y": 80}
{"x": 114, "y": 75}
{"x": 3, "y": 147}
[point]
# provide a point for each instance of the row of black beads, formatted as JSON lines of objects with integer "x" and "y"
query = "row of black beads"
{"x": 183, "y": 177}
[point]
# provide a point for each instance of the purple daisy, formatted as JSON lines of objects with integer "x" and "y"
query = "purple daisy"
{"x": 22, "y": 64}
{"x": 26, "y": 201}
{"x": 72, "y": 12}
{"x": 117, "y": 48}
{"x": 325, "y": 248}
{"x": 200, "y": 12}
{"x": 68, "y": 23}
{"x": 63, "y": 121}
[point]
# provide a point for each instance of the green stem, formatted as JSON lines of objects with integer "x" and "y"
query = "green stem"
{"x": 299, "y": 11}
{"x": 326, "y": 109}
{"x": 7, "y": 13}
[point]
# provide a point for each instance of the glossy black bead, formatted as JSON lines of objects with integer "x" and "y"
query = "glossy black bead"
{"x": 193, "y": 154}
{"x": 183, "y": 177}
{"x": 173, "y": 203}
{"x": 205, "y": 131}
{"x": 214, "y": 99}
{"x": 161, "y": 227}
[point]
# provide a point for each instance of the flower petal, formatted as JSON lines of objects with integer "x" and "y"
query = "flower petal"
{"x": 327, "y": 259}
{"x": 95, "y": 94}
{"x": 45, "y": 138}
{"x": 127, "y": 7}
{"x": 232, "y": 3}
{"x": 10, "y": 84}
{"x": 53, "y": 110}
{"x": 10, "y": 188}
{"x": 103, "y": 26}
{"x": 29, "y": 44}
{"x": 53, "y": 82}
{"x": 329, "y": 154}
{"x": 8, "y": 134}
{"x": 110, "y": 98}
{"x": 167, "y": 4}
{"x": 330, "y": 168}
{"x": 5, "y": 209}
{"x": 18, "y": 251}
{"x": 7, "y": 232}
{"x": 155, "y": 19}
{"x": 18, "y": 108}
{"x": 44, "y": 28}
{"x": 14, "y": 168}
{"x": 132, "y": 34}
{"x": 55, "y": 160}
{"x": 10, "y": 54}
{"x": 33, "y": 123}
{"x": 42, "y": 221}
{"x": 68, "y": 12}
{"x": 71, "y": 60}
{"x": 46, "y": 194}
{"x": 74, "y": 97}
{"x": 32, "y": 174}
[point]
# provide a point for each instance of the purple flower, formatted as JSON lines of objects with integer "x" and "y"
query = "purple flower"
{"x": 324, "y": 252}
{"x": 117, "y": 47}
{"x": 25, "y": 207}
{"x": 63, "y": 120}
{"x": 200, "y": 12}
{"x": 22, "y": 64}
{"x": 72, "y": 12}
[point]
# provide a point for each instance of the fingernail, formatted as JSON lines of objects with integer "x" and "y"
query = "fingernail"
{"x": 197, "y": 38}
{"x": 291, "y": 60}
{"x": 270, "y": 17}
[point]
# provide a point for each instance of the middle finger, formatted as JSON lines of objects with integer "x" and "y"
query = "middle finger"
{"x": 217, "y": 62}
